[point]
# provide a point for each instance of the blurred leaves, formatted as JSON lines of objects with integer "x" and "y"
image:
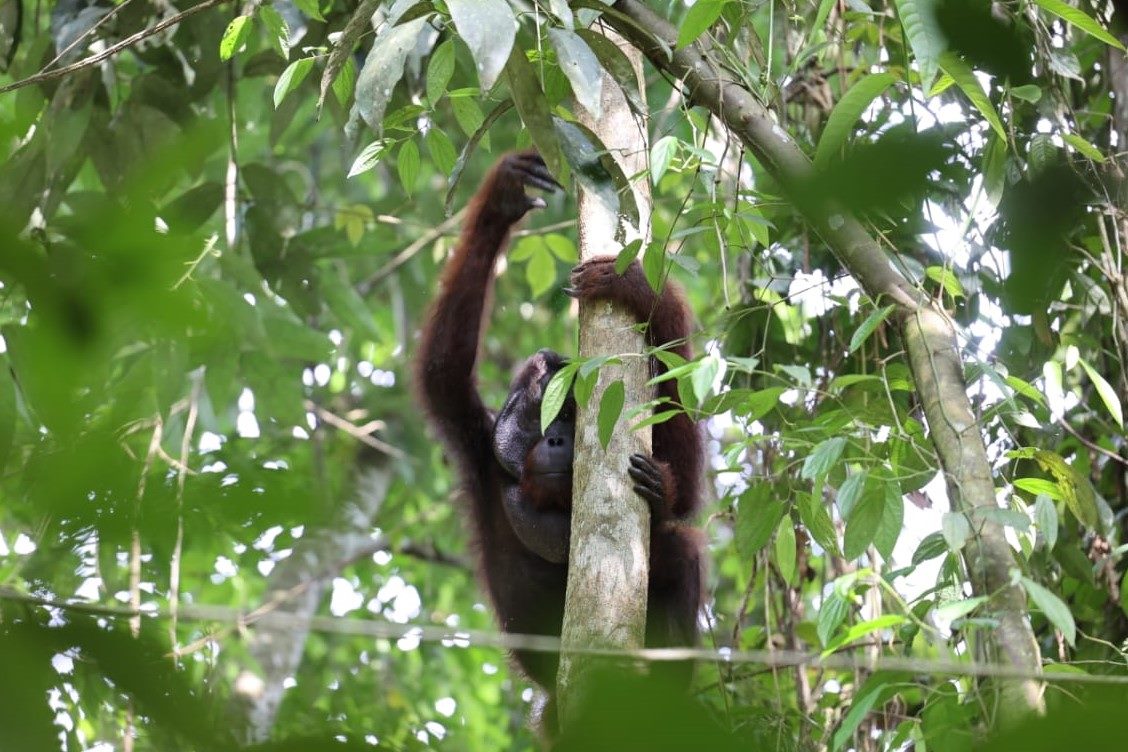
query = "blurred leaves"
{"x": 178, "y": 237}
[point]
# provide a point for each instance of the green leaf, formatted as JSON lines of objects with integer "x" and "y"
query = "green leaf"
{"x": 440, "y": 69}
{"x": 847, "y": 113}
{"x": 865, "y": 628}
{"x": 924, "y": 36}
{"x": 615, "y": 62}
{"x": 700, "y": 16}
{"x": 610, "y": 407}
{"x": 832, "y": 613}
{"x": 850, "y": 491}
{"x": 994, "y": 169}
{"x": 1046, "y": 518}
{"x": 407, "y": 165}
{"x": 369, "y": 157}
{"x": 1054, "y": 609}
{"x": 954, "y": 65}
{"x": 761, "y": 402}
{"x": 957, "y": 609}
{"x": 294, "y": 74}
{"x": 784, "y": 550}
{"x": 8, "y": 412}
{"x": 627, "y": 255}
{"x": 541, "y": 271}
{"x": 532, "y": 106}
{"x": 946, "y": 279}
{"x": 838, "y": 383}
{"x": 757, "y": 515}
{"x": 932, "y": 546}
{"x": 1107, "y": 394}
{"x": 862, "y": 333}
{"x": 311, "y": 8}
{"x": 1026, "y": 389}
{"x": 1068, "y": 485}
{"x": 234, "y": 37}
{"x": 1124, "y": 594}
{"x": 341, "y": 55}
{"x": 1042, "y": 151}
{"x": 862, "y": 524}
{"x": 654, "y": 265}
{"x": 1042, "y": 486}
{"x": 823, "y": 457}
{"x": 441, "y": 150}
{"x": 1078, "y": 18}
{"x": 1028, "y": 93}
{"x": 585, "y": 387}
{"x": 556, "y": 394}
{"x": 488, "y": 27}
{"x": 816, "y": 518}
{"x": 956, "y": 530}
{"x": 582, "y": 68}
{"x": 468, "y": 114}
{"x": 344, "y": 83}
{"x": 562, "y": 247}
{"x": 822, "y": 14}
{"x": 1084, "y": 147}
{"x": 343, "y": 299}
{"x": 892, "y": 519}
{"x": 870, "y": 693}
{"x": 279, "y": 31}
{"x": 661, "y": 154}
{"x": 703, "y": 375}
{"x": 382, "y": 70}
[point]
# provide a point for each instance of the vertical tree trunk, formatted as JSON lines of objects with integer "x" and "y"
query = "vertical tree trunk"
{"x": 610, "y": 547}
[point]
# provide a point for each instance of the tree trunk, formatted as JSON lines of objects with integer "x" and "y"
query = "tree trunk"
{"x": 610, "y": 547}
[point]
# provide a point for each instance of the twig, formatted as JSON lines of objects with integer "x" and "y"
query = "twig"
{"x": 364, "y": 438}
{"x": 181, "y": 476}
{"x": 1095, "y": 447}
{"x": 94, "y": 27}
{"x": 407, "y": 253}
{"x": 112, "y": 50}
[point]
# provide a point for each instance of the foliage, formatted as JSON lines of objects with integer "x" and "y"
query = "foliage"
{"x": 216, "y": 247}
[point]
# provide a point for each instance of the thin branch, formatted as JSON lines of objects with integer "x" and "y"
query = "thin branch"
{"x": 360, "y": 435}
{"x": 113, "y": 49}
{"x": 181, "y": 477}
{"x": 94, "y": 27}
{"x": 409, "y": 252}
{"x": 1095, "y": 447}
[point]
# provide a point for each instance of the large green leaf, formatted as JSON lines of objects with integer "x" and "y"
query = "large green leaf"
{"x": 846, "y": 114}
{"x": 1080, "y": 19}
{"x": 581, "y": 66}
{"x": 488, "y": 28}
{"x": 383, "y": 69}
{"x": 919, "y": 22}
{"x": 955, "y": 67}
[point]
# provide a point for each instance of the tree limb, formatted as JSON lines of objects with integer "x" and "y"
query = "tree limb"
{"x": 112, "y": 50}
{"x": 929, "y": 335}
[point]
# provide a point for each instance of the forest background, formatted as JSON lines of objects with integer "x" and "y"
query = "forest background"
{"x": 223, "y": 524}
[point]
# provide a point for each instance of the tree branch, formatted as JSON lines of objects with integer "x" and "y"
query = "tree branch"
{"x": 929, "y": 335}
{"x": 112, "y": 50}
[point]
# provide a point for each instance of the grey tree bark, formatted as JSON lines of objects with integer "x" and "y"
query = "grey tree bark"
{"x": 610, "y": 547}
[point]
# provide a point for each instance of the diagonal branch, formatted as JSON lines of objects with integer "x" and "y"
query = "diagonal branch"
{"x": 929, "y": 335}
{"x": 113, "y": 49}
